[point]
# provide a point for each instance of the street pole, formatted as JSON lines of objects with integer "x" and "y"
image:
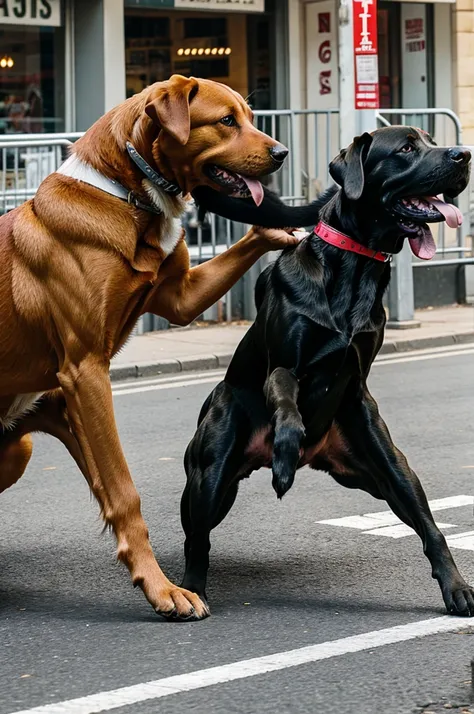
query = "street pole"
{"x": 347, "y": 112}
{"x": 356, "y": 121}
{"x": 401, "y": 302}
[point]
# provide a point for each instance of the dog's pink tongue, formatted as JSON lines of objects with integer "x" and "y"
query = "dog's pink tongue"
{"x": 423, "y": 246}
{"x": 255, "y": 188}
{"x": 452, "y": 214}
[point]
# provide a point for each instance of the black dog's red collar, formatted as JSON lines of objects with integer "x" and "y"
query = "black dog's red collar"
{"x": 338, "y": 239}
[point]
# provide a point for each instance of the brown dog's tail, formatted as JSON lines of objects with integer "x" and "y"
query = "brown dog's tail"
{"x": 272, "y": 212}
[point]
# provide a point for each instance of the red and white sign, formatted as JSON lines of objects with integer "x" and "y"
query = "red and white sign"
{"x": 414, "y": 35}
{"x": 365, "y": 54}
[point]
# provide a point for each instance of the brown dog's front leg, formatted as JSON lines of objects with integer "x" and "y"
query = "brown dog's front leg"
{"x": 88, "y": 395}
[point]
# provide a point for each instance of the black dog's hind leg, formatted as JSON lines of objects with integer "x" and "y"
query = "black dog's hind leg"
{"x": 371, "y": 453}
{"x": 212, "y": 462}
{"x": 281, "y": 391}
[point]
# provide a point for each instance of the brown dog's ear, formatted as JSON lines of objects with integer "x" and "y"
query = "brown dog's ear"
{"x": 347, "y": 169}
{"x": 169, "y": 107}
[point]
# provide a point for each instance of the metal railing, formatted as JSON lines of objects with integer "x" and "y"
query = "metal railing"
{"x": 313, "y": 139}
{"x": 23, "y": 166}
{"x": 311, "y": 135}
{"x": 454, "y": 246}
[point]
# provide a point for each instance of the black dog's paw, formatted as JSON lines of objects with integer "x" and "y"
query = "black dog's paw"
{"x": 286, "y": 456}
{"x": 459, "y": 600}
{"x": 282, "y": 480}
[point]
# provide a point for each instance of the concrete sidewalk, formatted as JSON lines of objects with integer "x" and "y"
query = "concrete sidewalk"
{"x": 199, "y": 348}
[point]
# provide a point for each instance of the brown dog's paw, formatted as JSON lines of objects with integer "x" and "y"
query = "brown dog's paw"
{"x": 460, "y": 601}
{"x": 180, "y": 605}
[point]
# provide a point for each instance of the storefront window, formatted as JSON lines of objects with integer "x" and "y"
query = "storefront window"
{"x": 31, "y": 79}
{"x": 233, "y": 48}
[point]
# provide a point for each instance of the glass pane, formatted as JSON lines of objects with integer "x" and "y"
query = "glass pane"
{"x": 31, "y": 79}
{"x": 203, "y": 45}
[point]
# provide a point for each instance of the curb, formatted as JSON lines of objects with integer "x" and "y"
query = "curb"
{"x": 220, "y": 360}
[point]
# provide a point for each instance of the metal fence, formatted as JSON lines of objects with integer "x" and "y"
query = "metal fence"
{"x": 454, "y": 246}
{"x": 312, "y": 137}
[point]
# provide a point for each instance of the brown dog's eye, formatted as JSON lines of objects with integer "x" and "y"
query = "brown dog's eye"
{"x": 229, "y": 120}
{"x": 406, "y": 149}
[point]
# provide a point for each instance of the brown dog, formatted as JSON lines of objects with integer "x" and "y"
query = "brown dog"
{"x": 79, "y": 266}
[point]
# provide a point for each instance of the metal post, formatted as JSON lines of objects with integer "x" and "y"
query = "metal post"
{"x": 366, "y": 120}
{"x": 401, "y": 302}
{"x": 347, "y": 112}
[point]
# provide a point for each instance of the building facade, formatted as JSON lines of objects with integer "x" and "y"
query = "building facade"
{"x": 418, "y": 44}
{"x": 65, "y": 62}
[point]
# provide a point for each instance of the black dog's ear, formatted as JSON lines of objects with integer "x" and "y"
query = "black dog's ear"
{"x": 347, "y": 169}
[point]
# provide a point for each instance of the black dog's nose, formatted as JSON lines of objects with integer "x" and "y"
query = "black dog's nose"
{"x": 279, "y": 153}
{"x": 459, "y": 155}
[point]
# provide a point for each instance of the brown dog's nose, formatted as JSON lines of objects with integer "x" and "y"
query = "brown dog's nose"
{"x": 278, "y": 153}
{"x": 459, "y": 155}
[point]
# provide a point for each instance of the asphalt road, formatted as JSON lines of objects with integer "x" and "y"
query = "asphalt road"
{"x": 71, "y": 625}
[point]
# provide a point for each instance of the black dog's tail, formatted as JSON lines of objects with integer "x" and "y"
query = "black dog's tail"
{"x": 272, "y": 212}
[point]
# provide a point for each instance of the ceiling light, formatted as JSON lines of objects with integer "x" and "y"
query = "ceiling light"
{"x": 6, "y": 61}
{"x": 227, "y": 51}
{"x": 214, "y": 51}
{"x": 187, "y": 51}
{"x": 181, "y": 51}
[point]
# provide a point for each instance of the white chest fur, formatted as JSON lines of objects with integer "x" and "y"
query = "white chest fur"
{"x": 169, "y": 207}
{"x": 21, "y": 405}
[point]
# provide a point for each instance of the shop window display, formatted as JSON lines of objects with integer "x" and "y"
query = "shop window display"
{"x": 31, "y": 80}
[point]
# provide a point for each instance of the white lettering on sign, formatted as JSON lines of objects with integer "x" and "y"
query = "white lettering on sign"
{"x": 386, "y": 523}
{"x": 366, "y": 43}
{"x": 30, "y": 12}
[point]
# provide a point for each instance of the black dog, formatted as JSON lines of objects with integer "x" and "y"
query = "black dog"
{"x": 296, "y": 390}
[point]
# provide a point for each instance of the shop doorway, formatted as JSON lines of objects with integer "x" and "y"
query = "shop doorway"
{"x": 405, "y": 40}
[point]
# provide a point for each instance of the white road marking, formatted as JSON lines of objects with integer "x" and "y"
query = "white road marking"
{"x": 195, "y": 378}
{"x": 463, "y": 541}
{"x": 386, "y": 523}
{"x": 418, "y": 358}
{"x": 159, "y": 688}
{"x": 402, "y": 530}
{"x": 370, "y": 521}
{"x": 155, "y": 387}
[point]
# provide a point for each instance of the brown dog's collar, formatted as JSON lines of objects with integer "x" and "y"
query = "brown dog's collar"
{"x": 340, "y": 240}
{"x": 152, "y": 175}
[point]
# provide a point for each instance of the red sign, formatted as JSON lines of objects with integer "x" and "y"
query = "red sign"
{"x": 365, "y": 54}
{"x": 414, "y": 35}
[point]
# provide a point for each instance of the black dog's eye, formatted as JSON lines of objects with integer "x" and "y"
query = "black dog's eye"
{"x": 229, "y": 120}
{"x": 406, "y": 149}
